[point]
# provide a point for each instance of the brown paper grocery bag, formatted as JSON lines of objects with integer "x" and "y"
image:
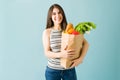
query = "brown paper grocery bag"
{"x": 71, "y": 41}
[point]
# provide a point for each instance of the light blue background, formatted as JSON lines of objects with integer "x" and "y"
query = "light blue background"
{"x": 21, "y": 26}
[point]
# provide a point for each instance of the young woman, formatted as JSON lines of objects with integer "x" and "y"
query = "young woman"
{"x": 56, "y": 23}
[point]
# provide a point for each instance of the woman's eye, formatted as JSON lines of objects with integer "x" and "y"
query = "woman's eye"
{"x": 54, "y": 13}
{"x": 59, "y": 12}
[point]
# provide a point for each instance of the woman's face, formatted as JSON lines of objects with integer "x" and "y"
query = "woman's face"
{"x": 57, "y": 16}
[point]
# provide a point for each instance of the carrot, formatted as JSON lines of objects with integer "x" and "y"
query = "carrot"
{"x": 69, "y": 28}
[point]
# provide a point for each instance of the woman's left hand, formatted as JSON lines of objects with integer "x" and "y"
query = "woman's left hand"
{"x": 76, "y": 62}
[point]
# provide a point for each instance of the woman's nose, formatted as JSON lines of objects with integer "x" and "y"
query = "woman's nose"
{"x": 57, "y": 15}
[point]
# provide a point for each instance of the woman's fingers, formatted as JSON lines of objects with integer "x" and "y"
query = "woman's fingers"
{"x": 68, "y": 53}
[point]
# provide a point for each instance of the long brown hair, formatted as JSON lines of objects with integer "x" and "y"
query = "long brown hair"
{"x": 49, "y": 17}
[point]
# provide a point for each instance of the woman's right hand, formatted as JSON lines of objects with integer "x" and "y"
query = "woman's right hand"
{"x": 67, "y": 53}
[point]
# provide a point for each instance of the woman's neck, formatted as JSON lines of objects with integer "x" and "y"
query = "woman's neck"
{"x": 57, "y": 27}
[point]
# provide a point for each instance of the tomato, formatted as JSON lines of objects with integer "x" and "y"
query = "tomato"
{"x": 75, "y": 32}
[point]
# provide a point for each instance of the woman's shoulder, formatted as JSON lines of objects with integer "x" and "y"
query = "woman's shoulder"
{"x": 47, "y": 31}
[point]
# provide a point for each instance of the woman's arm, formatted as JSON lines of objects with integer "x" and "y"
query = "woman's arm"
{"x": 85, "y": 47}
{"x": 46, "y": 45}
{"x": 48, "y": 52}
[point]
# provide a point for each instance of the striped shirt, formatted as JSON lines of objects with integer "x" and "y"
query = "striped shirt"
{"x": 55, "y": 45}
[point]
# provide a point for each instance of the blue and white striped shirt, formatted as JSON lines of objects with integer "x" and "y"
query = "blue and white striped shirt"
{"x": 55, "y": 45}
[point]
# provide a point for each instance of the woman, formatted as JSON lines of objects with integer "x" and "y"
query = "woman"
{"x": 56, "y": 23}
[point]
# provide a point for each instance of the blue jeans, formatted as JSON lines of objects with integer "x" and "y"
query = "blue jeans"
{"x": 52, "y": 74}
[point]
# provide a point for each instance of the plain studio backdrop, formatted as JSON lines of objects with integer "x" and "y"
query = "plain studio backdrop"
{"x": 23, "y": 21}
